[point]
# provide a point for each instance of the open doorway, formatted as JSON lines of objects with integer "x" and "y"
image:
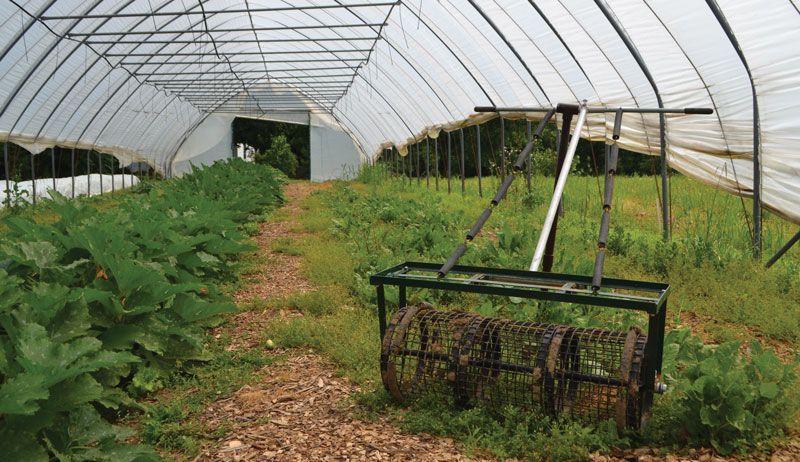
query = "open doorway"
{"x": 283, "y": 145}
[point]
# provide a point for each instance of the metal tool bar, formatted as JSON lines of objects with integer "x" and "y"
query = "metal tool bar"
{"x": 235, "y": 86}
{"x": 201, "y": 31}
{"x": 222, "y": 41}
{"x": 238, "y": 53}
{"x": 525, "y": 284}
{"x": 215, "y": 12}
{"x": 559, "y": 191}
{"x": 248, "y": 71}
{"x": 611, "y": 169}
{"x": 266, "y": 79}
{"x": 242, "y": 96}
{"x": 567, "y": 288}
{"x": 259, "y": 110}
{"x": 217, "y": 63}
{"x": 638, "y": 110}
{"x": 501, "y": 192}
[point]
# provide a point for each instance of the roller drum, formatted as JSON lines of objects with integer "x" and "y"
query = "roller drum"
{"x": 592, "y": 374}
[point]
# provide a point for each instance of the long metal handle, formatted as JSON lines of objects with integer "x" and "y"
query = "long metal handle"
{"x": 559, "y": 190}
{"x": 476, "y": 228}
{"x": 594, "y": 110}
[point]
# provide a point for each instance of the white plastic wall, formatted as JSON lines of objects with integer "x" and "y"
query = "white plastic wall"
{"x": 334, "y": 154}
{"x": 212, "y": 140}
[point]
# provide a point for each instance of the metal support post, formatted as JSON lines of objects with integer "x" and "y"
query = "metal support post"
{"x": 664, "y": 179}
{"x": 53, "y": 166}
{"x": 479, "y": 167}
{"x": 463, "y": 171}
{"x": 528, "y": 123}
{"x": 403, "y": 167}
{"x": 100, "y": 169}
{"x": 558, "y": 145}
{"x": 427, "y": 162}
{"x": 417, "y": 169}
{"x": 502, "y": 149}
{"x": 381, "y": 309}
{"x": 72, "y": 170}
{"x": 33, "y": 178}
{"x": 88, "y": 173}
{"x": 449, "y": 167}
{"x": 8, "y": 180}
{"x": 401, "y": 296}
{"x": 436, "y": 159}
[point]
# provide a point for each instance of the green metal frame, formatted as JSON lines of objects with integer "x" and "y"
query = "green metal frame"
{"x": 648, "y": 297}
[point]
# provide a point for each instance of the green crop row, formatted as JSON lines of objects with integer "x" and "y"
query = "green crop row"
{"x": 99, "y": 307}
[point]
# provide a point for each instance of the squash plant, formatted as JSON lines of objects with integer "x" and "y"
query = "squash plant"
{"x": 98, "y": 307}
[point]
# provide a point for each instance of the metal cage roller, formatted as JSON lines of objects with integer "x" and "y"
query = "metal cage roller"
{"x": 592, "y": 374}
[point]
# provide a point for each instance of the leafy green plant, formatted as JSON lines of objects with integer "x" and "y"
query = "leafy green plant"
{"x": 726, "y": 399}
{"x": 15, "y": 197}
{"x": 279, "y": 155}
{"x": 97, "y": 306}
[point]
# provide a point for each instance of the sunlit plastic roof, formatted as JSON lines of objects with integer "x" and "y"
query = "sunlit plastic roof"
{"x": 134, "y": 78}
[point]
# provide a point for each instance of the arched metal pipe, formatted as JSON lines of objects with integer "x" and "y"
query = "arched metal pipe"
{"x": 723, "y": 22}
{"x": 612, "y": 19}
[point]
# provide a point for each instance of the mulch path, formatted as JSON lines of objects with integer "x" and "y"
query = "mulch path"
{"x": 303, "y": 410}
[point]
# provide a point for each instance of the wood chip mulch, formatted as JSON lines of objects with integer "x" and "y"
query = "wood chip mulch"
{"x": 300, "y": 413}
{"x": 789, "y": 453}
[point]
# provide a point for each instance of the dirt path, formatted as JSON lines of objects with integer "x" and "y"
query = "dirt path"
{"x": 301, "y": 411}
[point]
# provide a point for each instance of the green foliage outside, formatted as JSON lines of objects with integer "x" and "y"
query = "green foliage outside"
{"x": 99, "y": 307}
{"x": 260, "y": 134}
{"x": 279, "y": 155}
{"x": 589, "y": 156}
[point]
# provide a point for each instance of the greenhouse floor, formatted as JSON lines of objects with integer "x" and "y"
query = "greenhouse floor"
{"x": 301, "y": 408}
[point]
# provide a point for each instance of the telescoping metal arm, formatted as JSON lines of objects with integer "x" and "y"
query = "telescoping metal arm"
{"x": 518, "y": 166}
{"x": 559, "y": 190}
{"x": 611, "y": 170}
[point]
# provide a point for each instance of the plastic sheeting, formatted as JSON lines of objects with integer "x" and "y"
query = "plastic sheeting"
{"x": 333, "y": 153}
{"x": 211, "y": 141}
{"x": 115, "y": 77}
{"x": 92, "y": 184}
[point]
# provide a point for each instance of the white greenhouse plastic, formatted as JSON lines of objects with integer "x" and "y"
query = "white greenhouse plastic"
{"x": 137, "y": 78}
{"x": 80, "y": 185}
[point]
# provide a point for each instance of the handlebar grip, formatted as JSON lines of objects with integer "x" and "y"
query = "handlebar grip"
{"x": 698, "y": 110}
